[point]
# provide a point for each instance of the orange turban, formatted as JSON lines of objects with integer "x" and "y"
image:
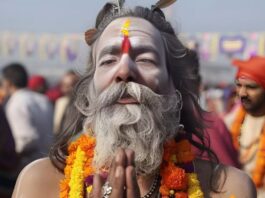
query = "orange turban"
{"x": 253, "y": 69}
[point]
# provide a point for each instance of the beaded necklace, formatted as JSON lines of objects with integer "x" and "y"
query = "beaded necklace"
{"x": 178, "y": 179}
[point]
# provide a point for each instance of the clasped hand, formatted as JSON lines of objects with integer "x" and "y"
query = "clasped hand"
{"x": 122, "y": 177}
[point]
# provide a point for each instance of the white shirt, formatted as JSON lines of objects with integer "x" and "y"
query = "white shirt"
{"x": 30, "y": 116}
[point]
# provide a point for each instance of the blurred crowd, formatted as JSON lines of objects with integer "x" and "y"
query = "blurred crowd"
{"x": 31, "y": 114}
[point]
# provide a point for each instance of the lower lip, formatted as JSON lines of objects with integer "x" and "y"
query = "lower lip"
{"x": 127, "y": 101}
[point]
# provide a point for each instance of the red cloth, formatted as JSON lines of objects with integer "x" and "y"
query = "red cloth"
{"x": 220, "y": 141}
{"x": 35, "y": 82}
{"x": 253, "y": 69}
{"x": 53, "y": 94}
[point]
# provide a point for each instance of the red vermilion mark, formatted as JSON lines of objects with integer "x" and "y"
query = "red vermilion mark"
{"x": 126, "y": 45}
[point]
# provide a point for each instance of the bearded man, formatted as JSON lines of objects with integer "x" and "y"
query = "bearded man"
{"x": 248, "y": 126}
{"x": 128, "y": 110}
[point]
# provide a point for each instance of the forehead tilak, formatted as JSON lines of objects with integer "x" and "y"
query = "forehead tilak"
{"x": 126, "y": 44}
{"x": 125, "y": 27}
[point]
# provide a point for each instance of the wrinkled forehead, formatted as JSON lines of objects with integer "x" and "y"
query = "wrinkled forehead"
{"x": 141, "y": 31}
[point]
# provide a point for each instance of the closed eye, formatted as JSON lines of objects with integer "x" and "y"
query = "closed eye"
{"x": 145, "y": 60}
{"x": 108, "y": 62}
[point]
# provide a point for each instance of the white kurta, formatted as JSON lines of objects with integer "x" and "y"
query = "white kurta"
{"x": 251, "y": 130}
{"x": 30, "y": 116}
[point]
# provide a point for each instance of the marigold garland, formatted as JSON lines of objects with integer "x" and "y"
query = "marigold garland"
{"x": 86, "y": 144}
{"x": 258, "y": 172}
{"x": 77, "y": 175}
{"x": 175, "y": 181}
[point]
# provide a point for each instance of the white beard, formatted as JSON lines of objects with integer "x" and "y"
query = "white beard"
{"x": 141, "y": 127}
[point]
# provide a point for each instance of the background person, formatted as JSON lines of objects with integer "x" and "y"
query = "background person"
{"x": 248, "y": 126}
{"x": 67, "y": 84}
{"x": 29, "y": 115}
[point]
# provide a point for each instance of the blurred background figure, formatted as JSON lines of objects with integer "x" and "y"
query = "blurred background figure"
{"x": 2, "y": 94}
{"x": 38, "y": 84}
{"x": 217, "y": 136}
{"x": 9, "y": 159}
{"x": 230, "y": 98}
{"x": 214, "y": 100}
{"x": 67, "y": 84}
{"x": 29, "y": 114}
{"x": 53, "y": 94}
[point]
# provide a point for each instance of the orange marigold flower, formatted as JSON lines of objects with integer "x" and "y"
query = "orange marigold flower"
{"x": 181, "y": 195}
{"x": 178, "y": 152}
{"x": 185, "y": 156}
{"x": 164, "y": 191}
{"x": 174, "y": 177}
{"x": 183, "y": 145}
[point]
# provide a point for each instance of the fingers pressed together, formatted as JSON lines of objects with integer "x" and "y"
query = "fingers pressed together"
{"x": 121, "y": 178}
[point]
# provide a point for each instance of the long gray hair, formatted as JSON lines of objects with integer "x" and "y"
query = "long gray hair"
{"x": 191, "y": 114}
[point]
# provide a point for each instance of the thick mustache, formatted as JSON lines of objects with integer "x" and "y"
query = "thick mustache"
{"x": 245, "y": 99}
{"x": 115, "y": 93}
{"x": 142, "y": 94}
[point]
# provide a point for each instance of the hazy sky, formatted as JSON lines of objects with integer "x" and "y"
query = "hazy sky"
{"x": 68, "y": 16}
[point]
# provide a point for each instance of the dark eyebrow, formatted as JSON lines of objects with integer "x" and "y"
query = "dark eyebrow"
{"x": 114, "y": 49}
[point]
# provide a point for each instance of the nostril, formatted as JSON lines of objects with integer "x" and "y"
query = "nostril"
{"x": 130, "y": 78}
{"x": 127, "y": 79}
{"x": 119, "y": 79}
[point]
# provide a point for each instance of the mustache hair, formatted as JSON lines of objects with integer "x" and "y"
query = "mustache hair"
{"x": 142, "y": 127}
{"x": 245, "y": 99}
{"x": 142, "y": 94}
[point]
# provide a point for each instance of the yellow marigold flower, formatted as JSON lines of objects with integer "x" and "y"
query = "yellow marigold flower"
{"x": 77, "y": 177}
{"x": 194, "y": 190}
{"x": 89, "y": 189}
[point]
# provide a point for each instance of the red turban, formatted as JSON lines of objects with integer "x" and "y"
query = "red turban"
{"x": 253, "y": 69}
{"x": 35, "y": 82}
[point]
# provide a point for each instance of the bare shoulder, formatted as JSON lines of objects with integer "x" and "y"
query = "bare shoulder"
{"x": 239, "y": 183}
{"x": 226, "y": 180}
{"x": 38, "y": 179}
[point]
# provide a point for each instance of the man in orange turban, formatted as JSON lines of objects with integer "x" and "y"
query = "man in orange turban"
{"x": 253, "y": 69}
{"x": 248, "y": 126}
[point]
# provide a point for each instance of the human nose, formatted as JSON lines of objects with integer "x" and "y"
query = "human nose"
{"x": 242, "y": 91}
{"x": 126, "y": 70}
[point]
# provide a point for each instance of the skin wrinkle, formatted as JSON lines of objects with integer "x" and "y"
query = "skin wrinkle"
{"x": 157, "y": 77}
{"x": 116, "y": 50}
